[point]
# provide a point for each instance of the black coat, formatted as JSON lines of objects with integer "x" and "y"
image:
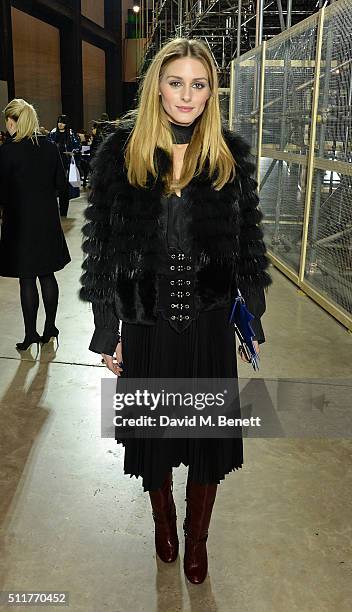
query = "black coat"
{"x": 66, "y": 142}
{"x": 124, "y": 246}
{"x": 32, "y": 241}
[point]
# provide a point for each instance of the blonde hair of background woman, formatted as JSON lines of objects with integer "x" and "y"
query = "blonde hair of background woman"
{"x": 152, "y": 129}
{"x": 26, "y": 117}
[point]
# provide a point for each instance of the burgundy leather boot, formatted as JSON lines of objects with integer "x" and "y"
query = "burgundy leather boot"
{"x": 164, "y": 515}
{"x": 200, "y": 500}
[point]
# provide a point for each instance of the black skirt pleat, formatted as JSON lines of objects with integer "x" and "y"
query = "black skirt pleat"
{"x": 207, "y": 348}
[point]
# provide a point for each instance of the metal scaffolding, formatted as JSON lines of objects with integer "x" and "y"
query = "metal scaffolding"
{"x": 229, "y": 28}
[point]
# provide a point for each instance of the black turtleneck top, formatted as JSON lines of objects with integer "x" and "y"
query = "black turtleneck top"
{"x": 182, "y": 133}
{"x": 175, "y": 207}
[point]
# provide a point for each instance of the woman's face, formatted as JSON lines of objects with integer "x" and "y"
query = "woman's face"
{"x": 184, "y": 85}
{"x": 61, "y": 126}
{"x": 11, "y": 126}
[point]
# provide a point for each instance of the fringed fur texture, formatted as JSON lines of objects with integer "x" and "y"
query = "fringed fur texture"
{"x": 124, "y": 246}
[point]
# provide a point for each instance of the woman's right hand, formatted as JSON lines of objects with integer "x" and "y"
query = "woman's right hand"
{"x": 111, "y": 363}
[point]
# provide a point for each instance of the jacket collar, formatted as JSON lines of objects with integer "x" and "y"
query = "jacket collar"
{"x": 239, "y": 147}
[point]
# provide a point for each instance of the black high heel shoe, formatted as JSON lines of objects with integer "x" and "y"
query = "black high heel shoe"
{"x": 27, "y": 342}
{"x": 49, "y": 335}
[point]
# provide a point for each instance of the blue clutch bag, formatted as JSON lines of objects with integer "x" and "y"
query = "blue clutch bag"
{"x": 241, "y": 319}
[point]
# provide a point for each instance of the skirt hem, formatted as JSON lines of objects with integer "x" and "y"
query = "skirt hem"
{"x": 176, "y": 464}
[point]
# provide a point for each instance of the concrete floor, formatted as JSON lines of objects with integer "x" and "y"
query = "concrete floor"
{"x": 280, "y": 538}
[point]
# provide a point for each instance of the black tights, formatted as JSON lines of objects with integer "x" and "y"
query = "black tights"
{"x": 30, "y": 301}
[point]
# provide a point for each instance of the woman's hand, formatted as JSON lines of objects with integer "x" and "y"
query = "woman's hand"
{"x": 242, "y": 355}
{"x": 111, "y": 363}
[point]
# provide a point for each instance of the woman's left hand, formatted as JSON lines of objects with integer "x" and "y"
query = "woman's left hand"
{"x": 256, "y": 346}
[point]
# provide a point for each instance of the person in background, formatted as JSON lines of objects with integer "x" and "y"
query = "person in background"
{"x": 101, "y": 129}
{"x": 32, "y": 243}
{"x": 85, "y": 157}
{"x": 82, "y": 135}
{"x": 68, "y": 144}
{"x": 2, "y": 141}
{"x": 2, "y": 138}
{"x": 94, "y": 140}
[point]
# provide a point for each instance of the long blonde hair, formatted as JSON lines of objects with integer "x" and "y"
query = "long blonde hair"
{"x": 151, "y": 128}
{"x": 26, "y": 117}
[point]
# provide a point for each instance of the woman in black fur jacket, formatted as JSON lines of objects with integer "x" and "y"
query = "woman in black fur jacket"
{"x": 173, "y": 228}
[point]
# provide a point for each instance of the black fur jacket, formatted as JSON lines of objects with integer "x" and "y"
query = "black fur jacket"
{"x": 123, "y": 244}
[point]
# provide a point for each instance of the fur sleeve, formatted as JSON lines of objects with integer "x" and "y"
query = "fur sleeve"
{"x": 253, "y": 260}
{"x": 97, "y": 281}
{"x": 251, "y": 276}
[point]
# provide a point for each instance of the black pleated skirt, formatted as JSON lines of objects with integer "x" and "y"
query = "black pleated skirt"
{"x": 206, "y": 348}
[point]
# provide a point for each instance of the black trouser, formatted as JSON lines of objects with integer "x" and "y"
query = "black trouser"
{"x": 64, "y": 201}
{"x": 84, "y": 168}
{"x": 64, "y": 194}
{"x": 30, "y": 301}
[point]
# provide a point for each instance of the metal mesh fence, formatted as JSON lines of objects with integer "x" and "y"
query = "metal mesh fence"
{"x": 224, "y": 94}
{"x": 283, "y": 182}
{"x": 329, "y": 252}
{"x": 246, "y": 100}
{"x": 334, "y": 121}
{"x": 328, "y": 265}
{"x": 289, "y": 72}
{"x": 305, "y": 189}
